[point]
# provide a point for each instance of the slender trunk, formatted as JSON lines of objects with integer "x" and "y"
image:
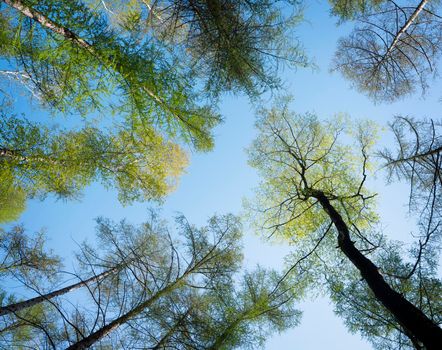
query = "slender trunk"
{"x": 105, "y": 330}
{"x": 18, "y": 156}
{"x": 77, "y": 40}
{"x": 405, "y": 27}
{"x": 13, "y": 308}
{"x": 412, "y": 319}
{"x": 417, "y": 156}
{"x": 161, "y": 344}
{"x": 47, "y": 23}
{"x": 8, "y": 153}
{"x": 221, "y": 339}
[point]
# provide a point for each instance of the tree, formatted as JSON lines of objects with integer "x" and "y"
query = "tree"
{"x": 71, "y": 58}
{"x": 234, "y": 45}
{"x": 349, "y": 9}
{"x": 362, "y": 312}
{"x": 223, "y": 316}
{"x": 25, "y": 255}
{"x": 161, "y": 292}
{"x": 151, "y": 267}
{"x": 36, "y": 160}
{"x": 417, "y": 160}
{"x": 310, "y": 182}
{"x": 208, "y": 259}
{"x": 392, "y": 51}
{"x": 12, "y": 201}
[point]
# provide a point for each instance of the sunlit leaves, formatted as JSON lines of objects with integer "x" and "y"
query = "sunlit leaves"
{"x": 38, "y": 161}
{"x": 298, "y": 154}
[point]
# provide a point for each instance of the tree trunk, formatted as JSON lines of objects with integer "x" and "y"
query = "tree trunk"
{"x": 13, "y": 308}
{"x": 163, "y": 341}
{"x": 77, "y": 40}
{"x": 405, "y": 27}
{"x": 105, "y": 330}
{"x": 417, "y": 156}
{"x": 9, "y": 153}
{"x": 412, "y": 319}
{"x": 47, "y": 23}
{"x": 221, "y": 339}
{"x": 18, "y": 156}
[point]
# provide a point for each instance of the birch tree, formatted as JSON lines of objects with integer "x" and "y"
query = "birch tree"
{"x": 393, "y": 50}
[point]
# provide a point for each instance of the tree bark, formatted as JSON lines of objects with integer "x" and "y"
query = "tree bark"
{"x": 13, "y": 308}
{"x": 105, "y": 330}
{"x": 405, "y": 27}
{"x": 8, "y": 153}
{"x": 163, "y": 341}
{"x": 47, "y": 23}
{"x": 417, "y": 156}
{"x": 18, "y": 156}
{"x": 77, "y": 40}
{"x": 412, "y": 319}
{"x": 221, "y": 339}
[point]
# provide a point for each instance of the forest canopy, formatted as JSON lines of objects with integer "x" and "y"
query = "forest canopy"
{"x": 152, "y": 120}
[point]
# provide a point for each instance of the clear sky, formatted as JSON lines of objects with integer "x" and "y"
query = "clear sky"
{"x": 218, "y": 181}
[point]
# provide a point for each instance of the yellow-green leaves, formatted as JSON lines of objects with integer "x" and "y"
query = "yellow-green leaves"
{"x": 300, "y": 154}
{"x": 12, "y": 198}
{"x": 37, "y": 160}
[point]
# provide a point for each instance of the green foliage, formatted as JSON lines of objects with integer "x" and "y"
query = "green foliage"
{"x": 233, "y": 45}
{"x": 363, "y": 313}
{"x": 314, "y": 175}
{"x": 134, "y": 79}
{"x": 22, "y": 254}
{"x": 349, "y": 9}
{"x": 22, "y": 329}
{"x": 12, "y": 199}
{"x": 250, "y": 314}
{"x": 223, "y": 316}
{"x": 40, "y": 160}
{"x": 147, "y": 268}
{"x": 299, "y": 154}
{"x": 145, "y": 73}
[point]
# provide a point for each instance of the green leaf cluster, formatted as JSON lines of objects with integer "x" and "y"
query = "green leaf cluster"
{"x": 299, "y": 154}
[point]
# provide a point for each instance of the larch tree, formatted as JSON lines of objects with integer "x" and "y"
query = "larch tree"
{"x": 36, "y": 160}
{"x": 167, "y": 292}
{"x": 73, "y": 57}
{"x": 224, "y": 316}
{"x": 146, "y": 265}
{"x": 349, "y": 9}
{"x": 393, "y": 50}
{"x": 151, "y": 71}
{"x": 313, "y": 181}
{"x": 234, "y": 45}
{"x": 24, "y": 254}
{"x": 416, "y": 160}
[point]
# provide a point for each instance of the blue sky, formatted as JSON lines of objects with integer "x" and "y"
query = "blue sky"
{"x": 218, "y": 181}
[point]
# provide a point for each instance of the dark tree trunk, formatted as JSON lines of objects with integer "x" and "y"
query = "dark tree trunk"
{"x": 412, "y": 319}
